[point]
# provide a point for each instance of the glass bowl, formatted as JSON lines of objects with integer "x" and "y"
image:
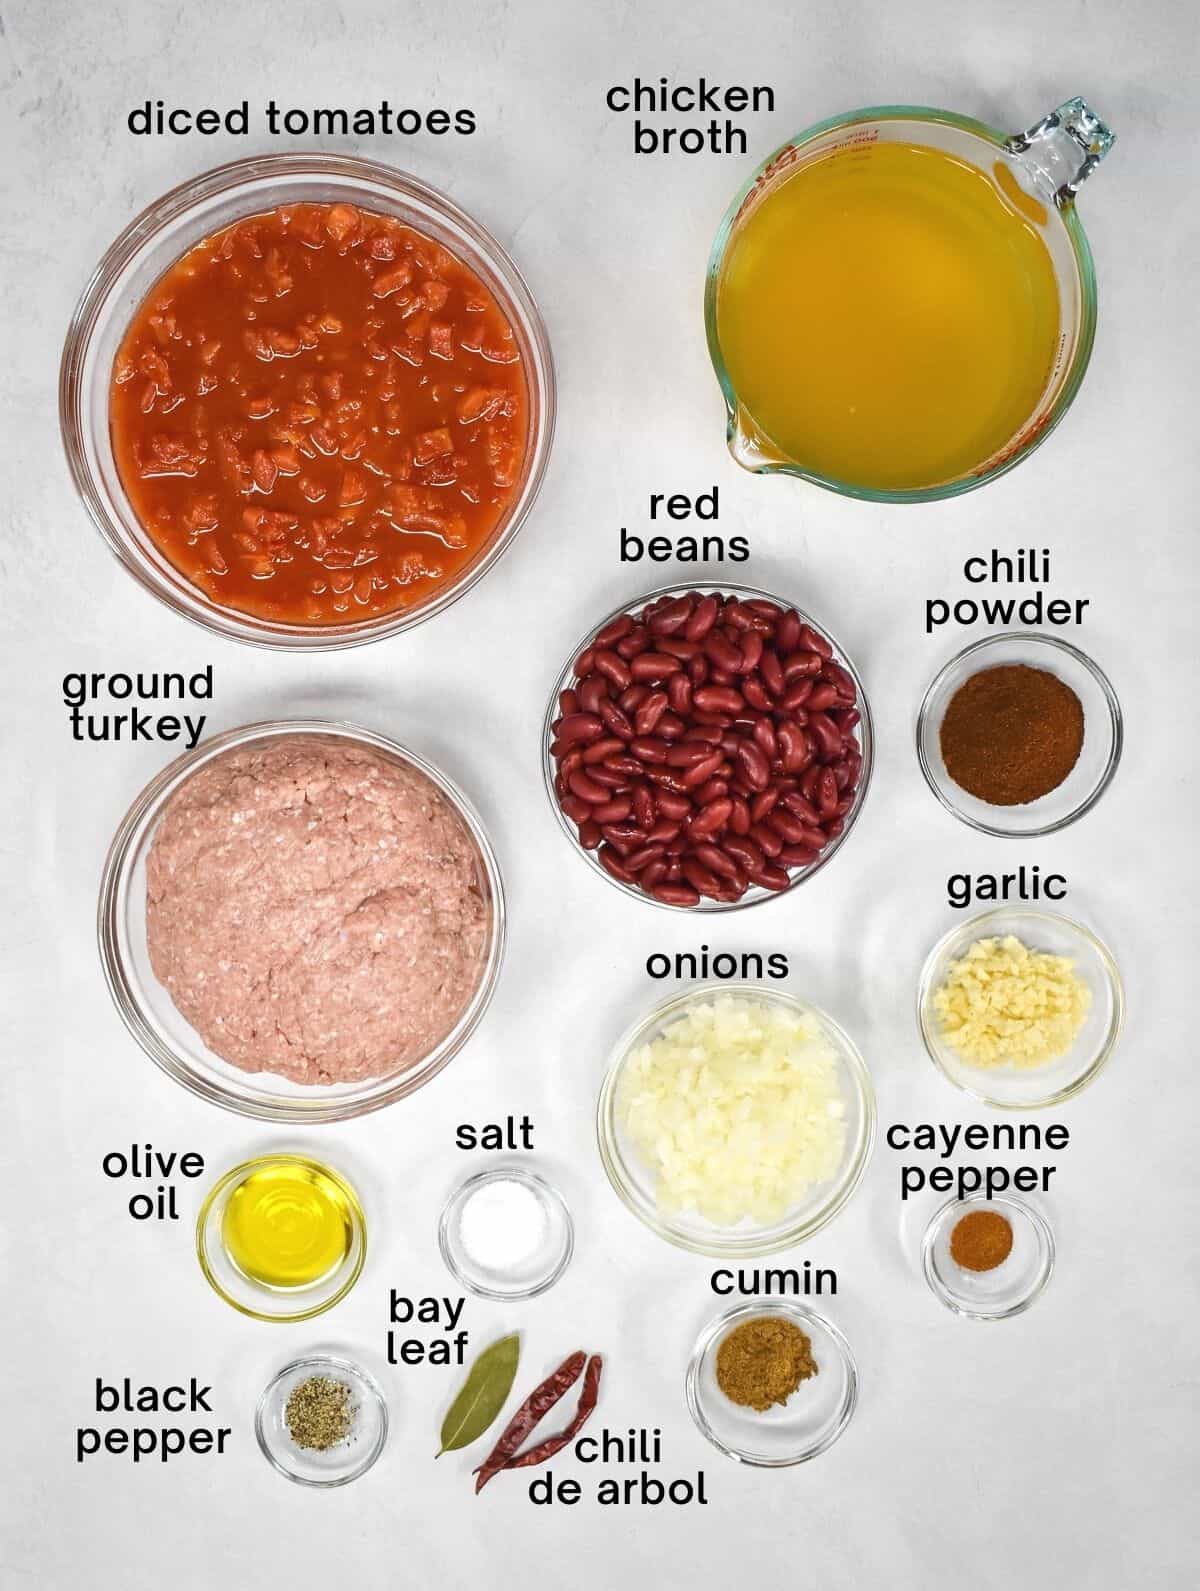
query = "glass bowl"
{"x": 151, "y": 1015}
{"x": 332, "y": 1466}
{"x": 153, "y": 242}
{"x": 258, "y": 1299}
{"x": 1102, "y": 734}
{"x": 809, "y": 1422}
{"x": 1029, "y": 1088}
{"x": 755, "y": 895}
{"x": 1012, "y": 1286}
{"x": 633, "y": 1180}
{"x": 523, "y": 1276}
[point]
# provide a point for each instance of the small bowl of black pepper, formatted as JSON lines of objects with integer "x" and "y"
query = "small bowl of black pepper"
{"x": 1019, "y": 734}
{"x": 322, "y": 1421}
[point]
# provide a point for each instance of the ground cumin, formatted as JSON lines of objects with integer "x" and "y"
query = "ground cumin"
{"x": 981, "y": 1240}
{"x": 763, "y": 1361}
{"x": 1011, "y": 734}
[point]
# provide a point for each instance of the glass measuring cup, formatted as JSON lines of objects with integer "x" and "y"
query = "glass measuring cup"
{"x": 1040, "y": 170}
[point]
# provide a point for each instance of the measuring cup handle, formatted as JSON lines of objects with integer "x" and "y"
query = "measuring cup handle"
{"x": 1065, "y": 147}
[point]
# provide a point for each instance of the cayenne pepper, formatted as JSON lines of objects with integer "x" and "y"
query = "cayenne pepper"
{"x": 981, "y": 1240}
{"x": 1011, "y": 734}
{"x": 539, "y": 1402}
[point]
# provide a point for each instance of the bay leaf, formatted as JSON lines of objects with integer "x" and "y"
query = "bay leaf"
{"x": 483, "y": 1393}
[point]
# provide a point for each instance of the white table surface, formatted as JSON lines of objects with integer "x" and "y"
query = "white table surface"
{"x": 1054, "y": 1450}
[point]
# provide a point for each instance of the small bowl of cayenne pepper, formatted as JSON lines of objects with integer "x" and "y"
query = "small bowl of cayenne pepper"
{"x": 987, "y": 1259}
{"x": 1019, "y": 734}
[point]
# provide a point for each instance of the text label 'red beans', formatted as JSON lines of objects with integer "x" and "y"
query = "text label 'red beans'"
{"x": 707, "y": 743}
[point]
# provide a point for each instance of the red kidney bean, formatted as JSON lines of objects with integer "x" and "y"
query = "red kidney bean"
{"x": 771, "y": 670}
{"x": 638, "y": 859}
{"x": 613, "y": 668}
{"x": 610, "y": 746}
{"x": 629, "y": 701}
{"x": 711, "y": 720}
{"x": 676, "y": 894}
{"x": 827, "y": 793}
{"x": 787, "y": 633}
{"x": 766, "y": 839}
{"x": 764, "y": 609}
{"x": 799, "y": 807}
{"x": 671, "y": 726}
{"x": 614, "y": 811}
{"x": 713, "y": 790}
{"x": 847, "y": 720}
{"x": 808, "y": 782}
{"x": 764, "y": 734}
{"x": 636, "y": 641}
{"x": 712, "y": 816}
{"x": 721, "y": 652}
{"x": 702, "y": 771}
{"x": 739, "y": 817}
{"x": 834, "y": 828}
{"x": 789, "y": 827}
{"x": 653, "y": 667}
{"x": 707, "y": 734}
{"x": 755, "y": 693}
{"x": 578, "y": 810}
{"x": 586, "y": 788}
{"x": 667, "y": 778}
{"x": 592, "y": 691}
{"x": 652, "y": 875}
{"x": 580, "y": 726}
{"x": 799, "y": 665}
{"x": 704, "y": 616}
{"x": 614, "y": 630}
{"x": 589, "y": 835}
{"x": 717, "y": 699}
{"x": 673, "y": 805}
{"x": 613, "y": 864}
{"x": 720, "y": 676}
{"x": 754, "y": 765}
{"x": 763, "y": 803}
{"x": 625, "y": 836}
{"x": 687, "y": 753}
{"x": 671, "y": 617}
{"x": 651, "y": 710}
{"x": 794, "y": 746}
{"x": 715, "y": 860}
{"x": 812, "y": 641}
{"x": 568, "y": 703}
{"x": 615, "y": 720}
{"x": 822, "y": 695}
{"x": 672, "y": 646}
{"x": 611, "y": 778}
{"x": 699, "y": 877}
{"x": 752, "y": 651}
{"x": 629, "y": 766}
{"x": 679, "y": 694}
{"x": 771, "y": 877}
{"x": 795, "y": 697}
{"x": 644, "y": 808}
{"x": 798, "y": 855}
{"x": 649, "y": 748}
{"x": 826, "y": 734}
{"x": 837, "y": 675}
{"x": 586, "y": 660}
{"x": 743, "y": 851}
{"x": 663, "y": 832}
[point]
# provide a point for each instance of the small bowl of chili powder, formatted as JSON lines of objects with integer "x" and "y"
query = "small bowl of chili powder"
{"x": 987, "y": 1259}
{"x": 1019, "y": 734}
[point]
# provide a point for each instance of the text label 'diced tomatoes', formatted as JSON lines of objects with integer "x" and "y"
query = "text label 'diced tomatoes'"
{"x": 320, "y": 415}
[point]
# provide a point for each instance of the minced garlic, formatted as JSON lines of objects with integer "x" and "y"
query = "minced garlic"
{"x": 1003, "y": 1004}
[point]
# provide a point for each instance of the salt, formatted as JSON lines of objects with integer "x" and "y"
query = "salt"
{"x": 502, "y": 1224}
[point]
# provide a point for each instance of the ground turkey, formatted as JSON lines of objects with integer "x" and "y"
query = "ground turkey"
{"x": 314, "y": 909}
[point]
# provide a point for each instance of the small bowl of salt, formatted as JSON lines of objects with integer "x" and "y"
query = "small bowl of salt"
{"x": 506, "y": 1233}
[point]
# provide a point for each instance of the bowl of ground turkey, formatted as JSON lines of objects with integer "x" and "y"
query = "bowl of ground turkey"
{"x": 301, "y": 921}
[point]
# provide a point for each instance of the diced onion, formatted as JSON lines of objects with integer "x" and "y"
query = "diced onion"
{"x": 738, "y": 1108}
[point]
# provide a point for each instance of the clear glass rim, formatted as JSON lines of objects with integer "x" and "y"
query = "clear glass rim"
{"x": 545, "y": 1190}
{"x": 978, "y": 928}
{"x": 176, "y": 592}
{"x": 1042, "y": 1231}
{"x": 749, "y": 1244}
{"x": 756, "y": 895}
{"x": 719, "y": 1326}
{"x": 1026, "y": 638}
{"x": 318, "y": 1364}
{"x": 237, "y": 1174}
{"x": 1086, "y": 330}
{"x": 144, "y": 810}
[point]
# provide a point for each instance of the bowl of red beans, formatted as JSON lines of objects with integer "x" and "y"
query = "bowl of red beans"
{"x": 707, "y": 747}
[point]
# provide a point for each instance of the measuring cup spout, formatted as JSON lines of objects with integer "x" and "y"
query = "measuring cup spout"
{"x": 1063, "y": 149}
{"x": 748, "y": 446}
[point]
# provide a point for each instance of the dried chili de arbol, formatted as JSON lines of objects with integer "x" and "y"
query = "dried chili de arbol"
{"x": 539, "y": 1402}
{"x": 541, "y": 1451}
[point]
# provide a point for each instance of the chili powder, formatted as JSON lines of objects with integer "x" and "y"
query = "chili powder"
{"x": 1011, "y": 734}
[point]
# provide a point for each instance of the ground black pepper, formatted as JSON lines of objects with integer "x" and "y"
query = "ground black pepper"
{"x": 1011, "y": 734}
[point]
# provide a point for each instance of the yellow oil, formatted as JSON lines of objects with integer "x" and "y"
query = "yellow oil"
{"x": 889, "y": 315}
{"x": 288, "y": 1224}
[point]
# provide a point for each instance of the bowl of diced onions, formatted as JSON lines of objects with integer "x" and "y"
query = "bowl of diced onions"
{"x": 735, "y": 1119}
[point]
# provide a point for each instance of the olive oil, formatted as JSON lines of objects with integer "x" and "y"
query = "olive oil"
{"x": 889, "y": 315}
{"x": 288, "y": 1224}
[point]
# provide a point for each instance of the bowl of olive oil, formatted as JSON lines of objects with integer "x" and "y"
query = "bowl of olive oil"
{"x": 282, "y": 1237}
